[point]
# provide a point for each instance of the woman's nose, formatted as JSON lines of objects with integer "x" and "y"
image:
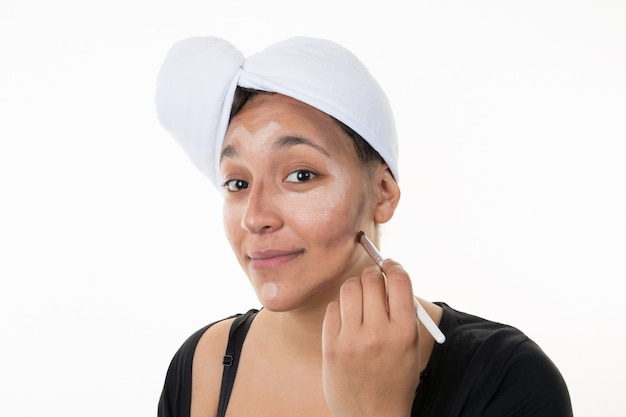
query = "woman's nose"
{"x": 261, "y": 214}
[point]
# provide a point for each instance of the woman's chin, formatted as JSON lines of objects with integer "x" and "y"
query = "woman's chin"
{"x": 275, "y": 300}
{"x": 272, "y": 299}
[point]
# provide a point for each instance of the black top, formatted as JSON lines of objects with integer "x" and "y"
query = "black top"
{"x": 483, "y": 369}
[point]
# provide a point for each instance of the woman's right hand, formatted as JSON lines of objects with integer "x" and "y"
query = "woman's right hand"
{"x": 370, "y": 345}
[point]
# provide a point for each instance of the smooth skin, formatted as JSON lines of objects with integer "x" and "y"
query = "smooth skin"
{"x": 331, "y": 340}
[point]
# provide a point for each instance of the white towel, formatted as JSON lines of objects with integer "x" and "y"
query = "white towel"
{"x": 197, "y": 82}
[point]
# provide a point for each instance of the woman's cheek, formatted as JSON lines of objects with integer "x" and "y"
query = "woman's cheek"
{"x": 324, "y": 211}
{"x": 232, "y": 222}
{"x": 303, "y": 210}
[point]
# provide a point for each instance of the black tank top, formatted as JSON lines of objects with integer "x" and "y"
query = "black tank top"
{"x": 238, "y": 332}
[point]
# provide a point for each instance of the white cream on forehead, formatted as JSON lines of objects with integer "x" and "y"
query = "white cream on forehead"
{"x": 241, "y": 130}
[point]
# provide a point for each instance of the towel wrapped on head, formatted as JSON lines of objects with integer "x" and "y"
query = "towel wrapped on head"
{"x": 197, "y": 83}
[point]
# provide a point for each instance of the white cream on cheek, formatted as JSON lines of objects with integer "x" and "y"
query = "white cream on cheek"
{"x": 326, "y": 212}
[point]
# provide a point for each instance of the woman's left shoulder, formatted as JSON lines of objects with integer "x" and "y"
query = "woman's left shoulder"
{"x": 503, "y": 369}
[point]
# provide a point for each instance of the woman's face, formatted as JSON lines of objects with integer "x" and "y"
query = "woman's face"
{"x": 296, "y": 197}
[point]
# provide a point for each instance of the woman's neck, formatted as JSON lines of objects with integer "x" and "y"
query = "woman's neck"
{"x": 298, "y": 331}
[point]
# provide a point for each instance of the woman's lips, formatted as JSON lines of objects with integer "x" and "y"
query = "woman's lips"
{"x": 272, "y": 258}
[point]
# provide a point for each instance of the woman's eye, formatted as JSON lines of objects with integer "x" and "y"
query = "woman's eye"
{"x": 235, "y": 185}
{"x": 300, "y": 176}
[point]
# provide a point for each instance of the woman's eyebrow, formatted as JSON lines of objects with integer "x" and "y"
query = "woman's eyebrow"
{"x": 228, "y": 152}
{"x": 289, "y": 141}
{"x": 284, "y": 142}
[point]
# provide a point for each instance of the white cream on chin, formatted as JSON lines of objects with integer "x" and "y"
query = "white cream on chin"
{"x": 269, "y": 291}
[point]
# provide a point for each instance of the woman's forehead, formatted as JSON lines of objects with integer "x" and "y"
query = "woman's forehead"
{"x": 275, "y": 117}
{"x": 265, "y": 106}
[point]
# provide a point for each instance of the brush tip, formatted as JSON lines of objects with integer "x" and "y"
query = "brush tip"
{"x": 359, "y": 235}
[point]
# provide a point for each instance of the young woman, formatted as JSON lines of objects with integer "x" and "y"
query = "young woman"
{"x": 302, "y": 140}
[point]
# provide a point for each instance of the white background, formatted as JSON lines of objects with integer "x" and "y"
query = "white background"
{"x": 512, "y": 122}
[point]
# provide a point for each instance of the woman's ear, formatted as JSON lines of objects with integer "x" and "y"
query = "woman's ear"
{"x": 388, "y": 195}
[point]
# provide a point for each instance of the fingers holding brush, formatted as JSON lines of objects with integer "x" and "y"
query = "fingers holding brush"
{"x": 370, "y": 346}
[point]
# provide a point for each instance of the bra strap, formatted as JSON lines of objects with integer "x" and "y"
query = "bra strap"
{"x": 238, "y": 332}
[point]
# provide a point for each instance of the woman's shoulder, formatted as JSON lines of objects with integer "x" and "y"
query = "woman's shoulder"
{"x": 468, "y": 333}
{"x": 199, "y": 358}
{"x": 495, "y": 365}
{"x": 209, "y": 362}
{"x": 210, "y": 337}
{"x": 203, "y": 338}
